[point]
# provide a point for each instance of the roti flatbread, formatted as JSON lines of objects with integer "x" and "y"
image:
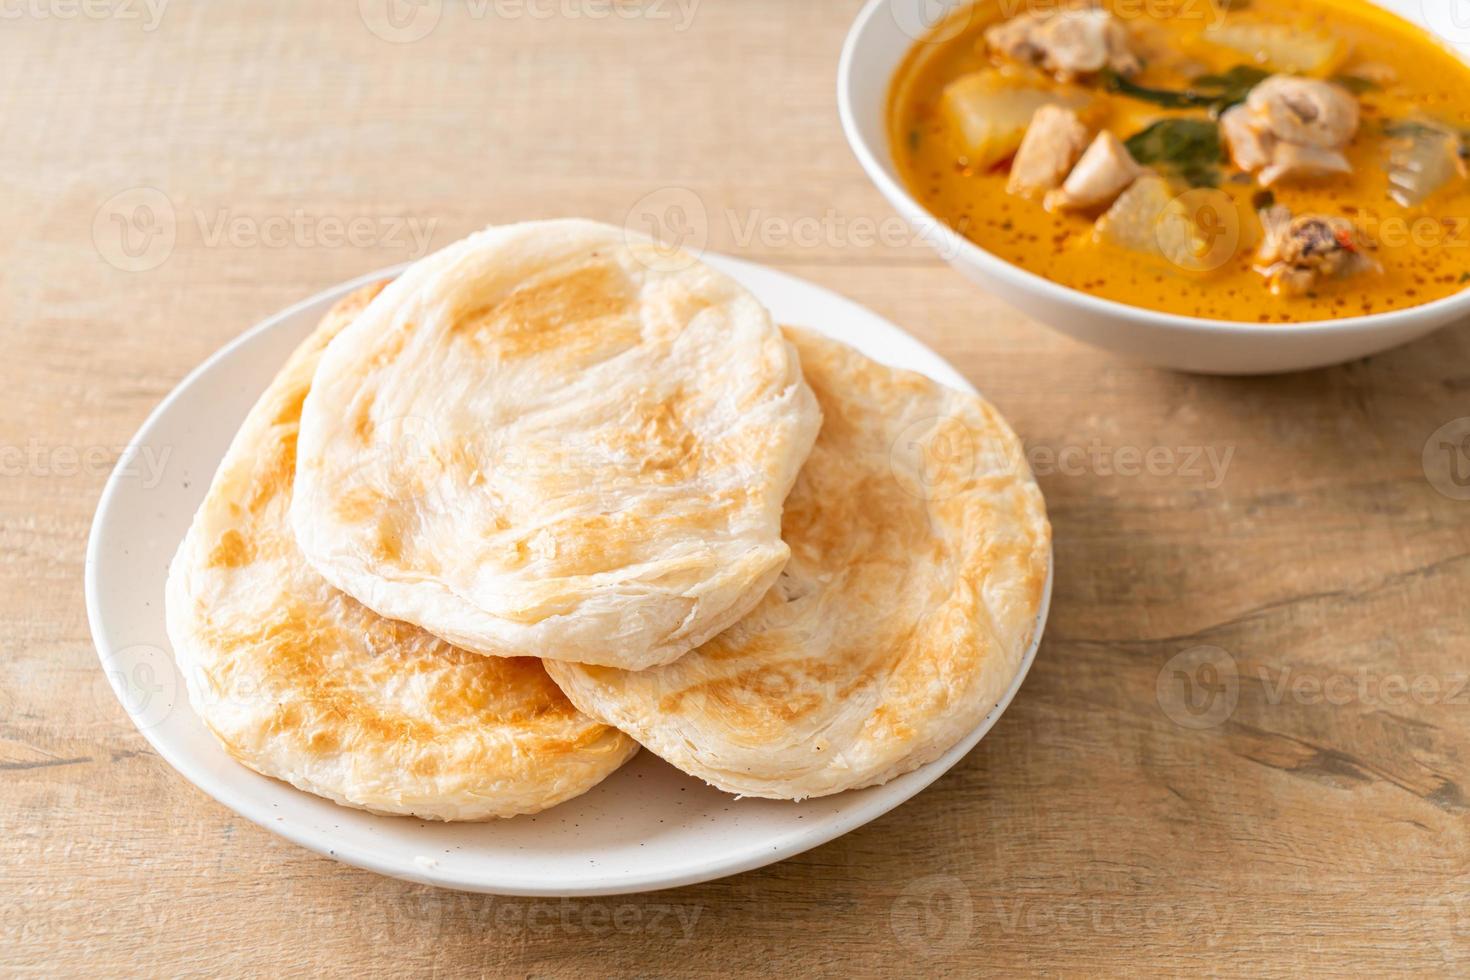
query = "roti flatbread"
{"x": 920, "y": 552}
{"x": 301, "y": 682}
{"x": 547, "y": 440}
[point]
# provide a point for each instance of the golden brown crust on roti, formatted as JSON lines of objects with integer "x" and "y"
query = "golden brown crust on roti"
{"x": 920, "y": 551}
{"x": 551, "y": 440}
{"x": 301, "y": 682}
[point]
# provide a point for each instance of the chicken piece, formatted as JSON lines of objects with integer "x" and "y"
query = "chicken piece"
{"x": 1295, "y": 160}
{"x": 1104, "y": 172}
{"x": 1305, "y": 111}
{"x": 1300, "y": 254}
{"x": 1250, "y": 147}
{"x": 1069, "y": 44}
{"x": 1374, "y": 71}
{"x": 1291, "y": 127}
{"x": 1053, "y": 142}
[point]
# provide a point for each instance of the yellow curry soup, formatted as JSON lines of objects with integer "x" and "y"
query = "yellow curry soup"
{"x": 1404, "y": 83}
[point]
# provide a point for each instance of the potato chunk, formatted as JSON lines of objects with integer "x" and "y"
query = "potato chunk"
{"x": 1286, "y": 49}
{"x": 1133, "y": 220}
{"x": 1197, "y": 231}
{"x": 988, "y": 112}
{"x": 1423, "y": 160}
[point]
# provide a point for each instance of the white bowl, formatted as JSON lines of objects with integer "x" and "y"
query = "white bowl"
{"x": 884, "y": 32}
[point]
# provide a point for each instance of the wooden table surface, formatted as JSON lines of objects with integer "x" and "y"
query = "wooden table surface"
{"x": 1243, "y": 749}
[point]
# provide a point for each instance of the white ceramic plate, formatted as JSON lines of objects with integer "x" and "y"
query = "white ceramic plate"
{"x": 647, "y": 826}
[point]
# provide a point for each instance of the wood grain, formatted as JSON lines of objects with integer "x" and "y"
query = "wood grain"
{"x": 1312, "y": 829}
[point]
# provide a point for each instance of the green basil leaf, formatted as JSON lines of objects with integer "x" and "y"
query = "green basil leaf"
{"x": 1187, "y": 148}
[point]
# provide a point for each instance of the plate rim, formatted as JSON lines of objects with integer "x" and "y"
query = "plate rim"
{"x": 605, "y": 883}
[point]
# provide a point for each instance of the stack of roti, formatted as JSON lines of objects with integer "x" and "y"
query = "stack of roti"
{"x": 555, "y": 493}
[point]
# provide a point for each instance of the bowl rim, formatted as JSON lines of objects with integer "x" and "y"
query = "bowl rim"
{"x": 952, "y": 245}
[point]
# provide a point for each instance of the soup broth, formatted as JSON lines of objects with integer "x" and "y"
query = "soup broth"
{"x": 953, "y": 139}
